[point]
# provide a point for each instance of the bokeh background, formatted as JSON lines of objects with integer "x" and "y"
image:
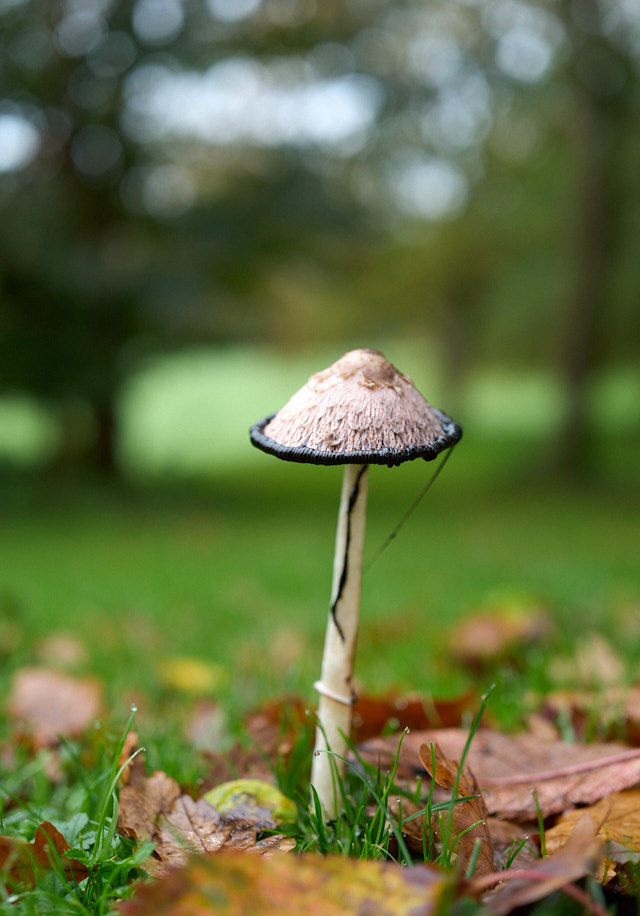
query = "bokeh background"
{"x": 204, "y": 201}
{"x": 200, "y": 191}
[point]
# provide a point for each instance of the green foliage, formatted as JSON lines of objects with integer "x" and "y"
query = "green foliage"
{"x": 365, "y": 828}
{"x": 83, "y": 806}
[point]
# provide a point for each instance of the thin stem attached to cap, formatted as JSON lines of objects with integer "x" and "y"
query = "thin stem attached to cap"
{"x": 335, "y": 687}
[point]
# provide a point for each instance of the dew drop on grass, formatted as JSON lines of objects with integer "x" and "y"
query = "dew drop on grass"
{"x": 133, "y": 707}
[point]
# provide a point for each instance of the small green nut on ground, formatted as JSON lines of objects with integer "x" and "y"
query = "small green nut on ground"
{"x": 252, "y": 800}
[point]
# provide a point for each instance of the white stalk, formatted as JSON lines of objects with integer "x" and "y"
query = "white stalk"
{"x": 335, "y": 687}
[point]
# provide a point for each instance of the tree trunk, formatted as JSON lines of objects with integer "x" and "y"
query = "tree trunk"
{"x": 88, "y": 438}
{"x": 104, "y": 451}
{"x": 591, "y": 243}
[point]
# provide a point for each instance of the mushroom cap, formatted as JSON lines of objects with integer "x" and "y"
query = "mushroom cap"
{"x": 360, "y": 410}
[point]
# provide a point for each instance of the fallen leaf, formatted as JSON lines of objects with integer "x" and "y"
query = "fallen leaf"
{"x": 270, "y": 733}
{"x": 205, "y": 728}
{"x": 541, "y": 727}
{"x": 239, "y": 761}
{"x": 607, "y": 713}
{"x": 374, "y": 715}
{"x": 197, "y": 827}
{"x": 276, "y": 727}
{"x": 513, "y": 843}
{"x": 193, "y": 676}
{"x": 155, "y": 809}
{"x": 189, "y": 827}
{"x": 131, "y": 762}
{"x": 466, "y": 822}
{"x": 493, "y": 635}
{"x": 62, "y": 650}
{"x": 593, "y": 663}
{"x": 580, "y": 856}
{"x": 507, "y": 766}
{"x": 143, "y": 802}
{"x": 616, "y": 820}
{"x": 228, "y": 884}
{"x": 252, "y": 801}
{"x": 22, "y": 862}
{"x": 48, "y": 705}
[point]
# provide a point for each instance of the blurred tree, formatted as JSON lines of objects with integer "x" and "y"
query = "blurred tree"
{"x": 206, "y": 170}
{"x": 92, "y": 278}
{"x": 606, "y": 105}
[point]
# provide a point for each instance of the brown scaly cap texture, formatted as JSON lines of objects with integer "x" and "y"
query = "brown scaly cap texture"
{"x": 360, "y": 410}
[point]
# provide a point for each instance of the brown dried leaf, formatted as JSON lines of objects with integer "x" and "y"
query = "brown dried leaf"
{"x": 62, "y": 650}
{"x": 616, "y": 819}
{"x": 606, "y": 713}
{"x": 197, "y": 827}
{"x": 205, "y": 727}
{"x": 22, "y": 862}
{"x": 48, "y": 705}
{"x": 371, "y": 715}
{"x": 228, "y": 884}
{"x": 488, "y": 636}
{"x": 580, "y": 856}
{"x": 468, "y": 822}
{"x": 275, "y": 727}
{"x": 155, "y": 809}
{"x": 507, "y": 766}
{"x": 271, "y": 732}
{"x": 189, "y": 827}
{"x": 594, "y": 663}
{"x": 506, "y": 837}
{"x": 143, "y": 802}
{"x": 131, "y": 761}
{"x": 541, "y": 727}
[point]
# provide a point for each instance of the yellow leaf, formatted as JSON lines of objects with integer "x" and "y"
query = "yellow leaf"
{"x": 616, "y": 819}
{"x": 234, "y": 884}
{"x": 193, "y": 675}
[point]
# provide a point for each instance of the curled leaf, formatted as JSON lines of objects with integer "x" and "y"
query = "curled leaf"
{"x": 466, "y": 821}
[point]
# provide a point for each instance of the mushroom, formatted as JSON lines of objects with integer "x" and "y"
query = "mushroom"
{"x": 359, "y": 411}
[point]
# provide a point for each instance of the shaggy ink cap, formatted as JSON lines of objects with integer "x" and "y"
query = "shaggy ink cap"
{"x": 360, "y": 410}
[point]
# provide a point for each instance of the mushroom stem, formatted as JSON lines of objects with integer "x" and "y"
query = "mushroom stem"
{"x": 335, "y": 687}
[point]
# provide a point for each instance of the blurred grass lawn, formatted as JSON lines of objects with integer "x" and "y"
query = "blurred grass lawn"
{"x": 236, "y": 570}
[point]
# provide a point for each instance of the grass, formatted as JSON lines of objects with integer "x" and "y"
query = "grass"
{"x": 83, "y": 805}
{"x": 238, "y": 573}
{"x": 243, "y": 560}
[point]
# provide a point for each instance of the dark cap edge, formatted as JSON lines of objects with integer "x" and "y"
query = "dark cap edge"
{"x": 390, "y": 457}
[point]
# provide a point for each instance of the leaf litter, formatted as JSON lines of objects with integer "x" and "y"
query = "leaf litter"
{"x": 507, "y": 766}
{"x": 466, "y": 822}
{"x": 22, "y": 862}
{"x": 587, "y": 805}
{"x": 155, "y": 809}
{"x": 229, "y": 884}
{"x": 47, "y": 705}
